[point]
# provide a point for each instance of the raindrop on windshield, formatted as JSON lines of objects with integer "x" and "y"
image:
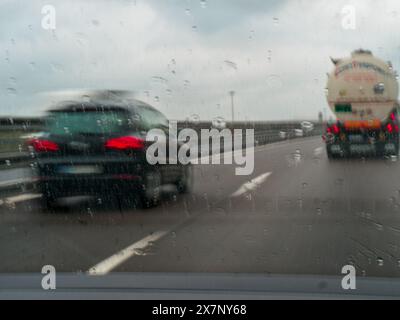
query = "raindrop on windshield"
{"x": 219, "y": 123}
{"x": 11, "y": 91}
{"x": 274, "y": 82}
{"x": 231, "y": 64}
{"x": 194, "y": 119}
{"x": 159, "y": 79}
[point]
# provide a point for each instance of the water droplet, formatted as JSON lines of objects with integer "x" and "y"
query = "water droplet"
{"x": 8, "y": 163}
{"x": 194, "y": 119}
{"x": 379, "y": 262}
{"x": 275, "y": 21}
{"x": 11, "y": 91}
{"x": 96, "y": 23}
{"x": 55, "y": 67}
{"x": 251, "y": 34}
{"x": 159, "y": 79}
{"x": 219, "y": 123}
{"x": 203, "y": 4}
{"x": 231, "y": 64}
{"x": 274, "y": 82}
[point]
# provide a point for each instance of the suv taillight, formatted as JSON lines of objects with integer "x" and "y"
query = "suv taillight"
{"x": 43, "y": 145}
{"x": 125, "y": 143}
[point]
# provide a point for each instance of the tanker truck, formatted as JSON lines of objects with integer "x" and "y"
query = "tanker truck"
{"x": 362, "y": 92}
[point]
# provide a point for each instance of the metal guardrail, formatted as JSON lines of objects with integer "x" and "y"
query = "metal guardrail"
{"x": 264, "y": 133}
{"x": 23, "y": 159}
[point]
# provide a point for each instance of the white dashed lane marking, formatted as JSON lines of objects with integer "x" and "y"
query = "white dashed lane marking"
{"x": 120, "y": 257}
{"x": 251, "y": 185}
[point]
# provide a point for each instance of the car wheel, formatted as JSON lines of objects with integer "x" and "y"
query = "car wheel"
{"x": 185, "y": 182}
{"x": 151, "y": 189}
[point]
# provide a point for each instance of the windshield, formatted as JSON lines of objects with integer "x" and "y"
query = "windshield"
{"x": 216, "y": 137}
{"x": 91, "y": 122}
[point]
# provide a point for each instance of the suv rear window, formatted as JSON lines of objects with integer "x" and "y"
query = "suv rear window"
{"x": 91, "y": 122}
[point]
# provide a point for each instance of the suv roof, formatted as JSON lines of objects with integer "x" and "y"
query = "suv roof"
{"x": 105, "y": 104}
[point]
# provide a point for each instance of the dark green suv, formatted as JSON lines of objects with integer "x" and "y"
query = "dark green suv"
{"x": 99, "y": 148}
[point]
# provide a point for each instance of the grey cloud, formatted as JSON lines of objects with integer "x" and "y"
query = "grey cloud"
{"x": 126, "y": 44}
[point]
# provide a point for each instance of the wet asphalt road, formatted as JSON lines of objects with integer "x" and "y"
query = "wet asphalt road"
{"x": 305, "y": 215}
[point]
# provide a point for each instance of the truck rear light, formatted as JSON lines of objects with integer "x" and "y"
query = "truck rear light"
{"x": 125, "y": 143}
{"x": 335, "y": 129}
{"x": 392, "y": 116}
{"x": 40, "y": 145}
{"x": 389, "y": 128}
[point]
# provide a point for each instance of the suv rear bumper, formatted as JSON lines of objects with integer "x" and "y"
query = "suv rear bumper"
{"x": 59, "y": 177}
{"x": 102, "y": 185}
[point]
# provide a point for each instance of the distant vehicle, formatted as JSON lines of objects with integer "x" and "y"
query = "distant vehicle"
{"x": 307, "y": 126}
{"x": 282, "y": 134}
{"x": 298, "y": 133}
{"x": 99, "y": 148}
{"x": 362, "y": 93}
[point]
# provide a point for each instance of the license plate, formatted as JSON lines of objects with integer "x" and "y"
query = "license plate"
{"x": 356, "y": 138}
{"x": 335, "y": 148}
{"x": 80, "y": 169}
{"x": 361, "y": 148}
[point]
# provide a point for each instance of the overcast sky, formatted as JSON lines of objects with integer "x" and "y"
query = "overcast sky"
{"x": 184, "y": 56}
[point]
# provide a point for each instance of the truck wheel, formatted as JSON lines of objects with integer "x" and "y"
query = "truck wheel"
{"x": 330, "y": 155}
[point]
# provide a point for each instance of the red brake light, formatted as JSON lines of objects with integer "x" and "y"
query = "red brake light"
{"x": 392, "y": 116}
{"x": 43, "y": 145}
{"x": 389, "y": 127}
{"x": 125, "y": 143}
{"x": 335, "y": 129}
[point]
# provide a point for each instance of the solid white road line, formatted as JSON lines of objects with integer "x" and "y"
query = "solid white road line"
{"x": 117, "y": 259}
{"x": 20, "y": 198}
{"x": 251, "y": 185}
{"x": 9, "y": 183}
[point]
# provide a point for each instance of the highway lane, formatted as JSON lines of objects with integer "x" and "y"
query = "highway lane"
{"x": 298, "y": 213}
